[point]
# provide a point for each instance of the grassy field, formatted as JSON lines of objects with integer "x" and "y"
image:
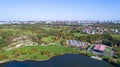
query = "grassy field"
{"x": 117, "y": 36}
{"x": 78, "y": 34}
{"x": 34, "y": 52}
{"x": 49, "y": 39}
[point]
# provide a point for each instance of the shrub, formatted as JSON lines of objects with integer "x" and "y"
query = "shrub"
{"x": 34, "y": 50}
{"x": 2, "y": 56}
{"x": 45, "y": 53}
{"x": 118, "y": 62}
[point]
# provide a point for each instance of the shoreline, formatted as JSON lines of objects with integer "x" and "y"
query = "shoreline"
{"x": 7, "y": 60}
{"x": 4, "y": 61}
{"x": 92, "y": 57}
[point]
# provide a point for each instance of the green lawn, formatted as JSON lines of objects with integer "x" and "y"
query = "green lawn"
{"x": 50, "y": 28}
{"x": 48, "y": 39}
{"x": 117, "y": 36}
{"x": 29, "y": 33}
{"x": 26, "y": 53}
{"x": 10, "y": 29}
{"x": 78, "y": 34}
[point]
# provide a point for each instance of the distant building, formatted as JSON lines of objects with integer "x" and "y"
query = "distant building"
{"x": 93, "y": 32}
{"x": 75, "y": 43}
{"x": 116, "y": 31}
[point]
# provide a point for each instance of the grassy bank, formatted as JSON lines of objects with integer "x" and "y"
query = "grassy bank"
{"x": 36, "y": 52}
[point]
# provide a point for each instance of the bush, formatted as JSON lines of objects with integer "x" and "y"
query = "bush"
{"x": 105, "y": 57}
{"x": 45, "y": 53}
{"x": 118, "y": 62}
{"x": 2, "y": 57}
{"x": 24, "y": 52}
{"x": 116, "y": 56}
{"x": 34, "y": 50}
{"x": 112, "y": 61}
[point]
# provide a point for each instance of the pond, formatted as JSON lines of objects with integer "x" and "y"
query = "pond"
{"x": 66, "y": 60}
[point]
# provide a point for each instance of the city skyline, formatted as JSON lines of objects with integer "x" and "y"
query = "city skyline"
{"x": 59, "y": 10}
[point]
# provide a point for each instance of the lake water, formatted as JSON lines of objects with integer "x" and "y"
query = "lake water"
{"x": 66, "y": 60}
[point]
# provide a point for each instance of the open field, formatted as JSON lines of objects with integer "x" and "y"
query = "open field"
{"x": 35, "y": 52}
{"x": 79, "y": 34}
{"x": 117, "y": 36}
{"x": 49, "y": 39}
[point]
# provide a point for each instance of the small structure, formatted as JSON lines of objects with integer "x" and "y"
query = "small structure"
{"x": 75, "y": 43}
{"x": 99, "y": 49}
{"x": 96, "y": 57}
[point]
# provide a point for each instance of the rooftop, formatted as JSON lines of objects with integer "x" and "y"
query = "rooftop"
{"x": 75, "y": 43}
{"x": 99, "y": 47}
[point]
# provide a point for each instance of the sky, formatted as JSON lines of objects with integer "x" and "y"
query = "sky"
{"x": 59, "y": 10}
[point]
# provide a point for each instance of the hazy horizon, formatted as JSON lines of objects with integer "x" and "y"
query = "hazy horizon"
{"x": 59, "y": 10}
